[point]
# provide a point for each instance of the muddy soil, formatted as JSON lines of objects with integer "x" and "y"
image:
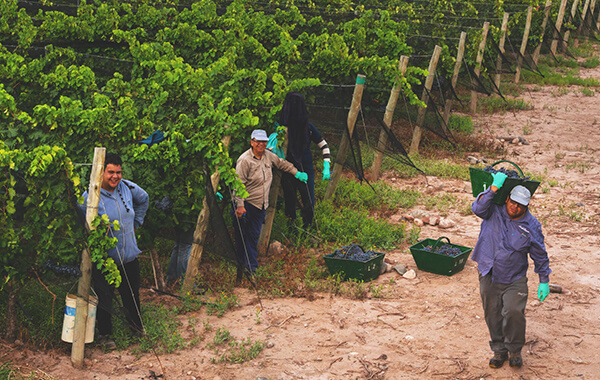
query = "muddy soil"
{"x": 431, "y": 326}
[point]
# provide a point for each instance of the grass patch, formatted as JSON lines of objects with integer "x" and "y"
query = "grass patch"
{"x": 433, "y": 167}
{"x": 460, "y": 124}
{"x": 492, "y": 104}
{"x": 347, "y": 225}
{"x": 240, "y": 352}
{"x": 562, "y": 72}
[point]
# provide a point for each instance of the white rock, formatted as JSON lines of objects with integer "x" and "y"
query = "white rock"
{"x": 433, "y": 220}
{"x": 409, "y": 337}
{"x": 418, "y": 222}
{"x": 410, "y": 274}
{"x": 447, "y": 223}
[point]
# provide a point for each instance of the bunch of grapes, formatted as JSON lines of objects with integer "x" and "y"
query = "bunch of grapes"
{"x": 355, "y": 253}
{"x": 509, "y": 172}
{"x": 61, "y": 270}
{"x": 445, "y": 249}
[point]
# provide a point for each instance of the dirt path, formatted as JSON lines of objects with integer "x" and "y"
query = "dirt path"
{"x": 432, "y": 326}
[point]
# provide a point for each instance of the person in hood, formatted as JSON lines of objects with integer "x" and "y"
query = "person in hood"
{"x": 127, "y": 203}
{"x": 509, "y": 233}
{"x": 294, "y": 116}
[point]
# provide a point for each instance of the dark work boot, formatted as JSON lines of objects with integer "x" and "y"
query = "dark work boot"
{"x": 516, "y": 360}
{"x": 498, "y": 360}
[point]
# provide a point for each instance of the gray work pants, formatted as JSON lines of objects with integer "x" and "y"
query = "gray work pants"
{"x": 504, "y": 309}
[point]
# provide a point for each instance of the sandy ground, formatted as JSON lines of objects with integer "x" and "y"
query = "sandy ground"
{"x": 431, "y": 326}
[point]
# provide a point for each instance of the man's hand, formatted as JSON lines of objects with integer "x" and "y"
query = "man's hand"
{"x": 326, "y": 173}
{"x": 240, "y": 211}
{"x": 301, "y": 176}
{"x": 543, "y": 291}
{"x": 499, "y": 179}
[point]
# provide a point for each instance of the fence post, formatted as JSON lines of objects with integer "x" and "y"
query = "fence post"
{"x": 477, "y": 69}
{"x": 524, "y": 44}
{"x": 457, "y": 64}
{"x": 201, "y": 230}
{"x": 503, "y": 29}
{"x": 565, "y": 42}
{"x": 387, "y": 120}
{"x": 559, "y": 20}
{"x": 83, "y": 286}
{"x": 581, "y": 24}
{"x": 597, "y": 21}
{"x": 417, "y": 131}
{"x": 536, "y": 53}
{"x": 345, "y": 144}
{"x": 265, "y": 232}
{"x": 587, "y": 30}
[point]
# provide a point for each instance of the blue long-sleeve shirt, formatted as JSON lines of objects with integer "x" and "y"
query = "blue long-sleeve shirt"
{"x": 504, "y": 243}
{"x": 128, "y": 204}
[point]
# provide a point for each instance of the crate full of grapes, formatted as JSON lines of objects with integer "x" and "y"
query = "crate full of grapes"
{"x": 481, "y": 179}
{"x": 352, "y": 262}
{"x": 437, "y": 257}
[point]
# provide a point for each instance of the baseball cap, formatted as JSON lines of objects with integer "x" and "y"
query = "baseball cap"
{"x": 260, "y": 135}
{"x": 520, "y": 194}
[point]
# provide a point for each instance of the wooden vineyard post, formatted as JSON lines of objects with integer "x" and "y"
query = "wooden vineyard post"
{"x": 591, "y": 11}
{"x": 83, "y": 286}
{"x": 559, "y": 20}
{"x": 536, "y": 53}
{"x": 565, "y": 42}
{"x": 387, "y": 120}
{"x": 524, "y": 44}
{"x": 417, "y": 131}
{"x": 581, "y": 24}
{"x": 201, "y": 230}
{"x": 345, "y": 144}
{"x": 459, "y": 57}
{"x": 597, "y": 21}
{"x": 503, "y": 29}
{"x": 265, "y": 232}
{"x": 477, "y": 69}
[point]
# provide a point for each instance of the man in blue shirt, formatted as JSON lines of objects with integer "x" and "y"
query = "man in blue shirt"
{"x": 126, "y": 202}
{"x": 508, "y": 233}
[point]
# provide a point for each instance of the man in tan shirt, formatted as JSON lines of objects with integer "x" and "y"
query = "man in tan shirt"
{"x": 254, "y": 168}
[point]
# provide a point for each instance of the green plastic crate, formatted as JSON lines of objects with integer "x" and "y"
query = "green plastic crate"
{"x": 358, "y": 270}
{"x": 436, "y": 262}
{"x": 481, "y": 180}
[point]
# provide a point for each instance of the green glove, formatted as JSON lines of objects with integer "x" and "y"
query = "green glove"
{"x": 498, "y": 179}
{"x": 302, "y": 177}
{"x": 326, "y": 173}
{"x": 543, "y": 291}
{"x": 219, "y": 196}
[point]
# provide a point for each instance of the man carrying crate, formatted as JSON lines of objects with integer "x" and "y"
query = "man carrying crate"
{"x": 508, "y": 233}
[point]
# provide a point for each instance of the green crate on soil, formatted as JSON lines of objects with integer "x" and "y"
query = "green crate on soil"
{"x": 358, "y": 270}
{"x": 438, "y": 263}
{"x": 481, "y": 180}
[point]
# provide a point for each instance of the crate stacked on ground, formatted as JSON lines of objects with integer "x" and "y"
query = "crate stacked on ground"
{"x": 352, "y": 262}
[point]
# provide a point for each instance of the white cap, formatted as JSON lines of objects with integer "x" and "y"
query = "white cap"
{"x": 259, "y": 135}
{"x": 520, "y": 194}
